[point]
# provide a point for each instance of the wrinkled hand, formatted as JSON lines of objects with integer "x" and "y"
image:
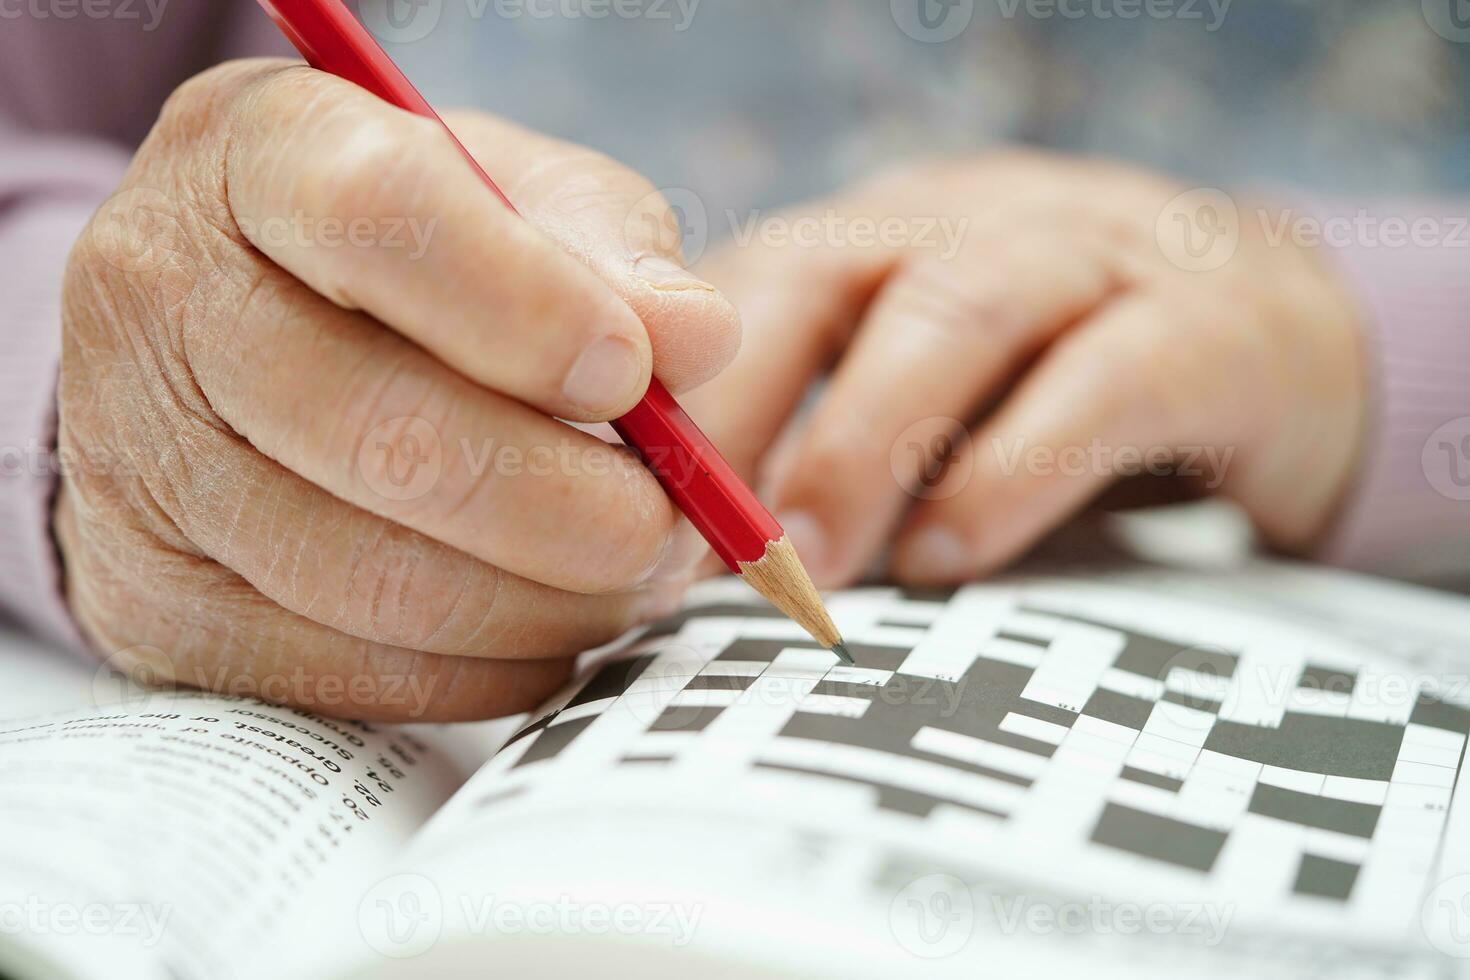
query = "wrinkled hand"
{"x": 1008, "y": 337}
{"x": 309, "y": 399}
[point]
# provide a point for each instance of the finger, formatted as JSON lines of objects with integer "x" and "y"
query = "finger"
{"x": 622, "y": 228}
{"x": 798, "y": 306}
{"x": 942, "y": 337}
{"x": 362, "y": 575}
{"x": 380, "y": 424}
{"x": 376, "y": 209}
{"x": 194, "y": 623}
{"x": 1115, "y": 395}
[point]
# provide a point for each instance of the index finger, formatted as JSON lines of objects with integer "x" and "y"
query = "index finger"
{"x": 376, "y": 209}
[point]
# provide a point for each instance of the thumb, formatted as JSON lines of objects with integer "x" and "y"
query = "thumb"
{"x": 621, "y": 227}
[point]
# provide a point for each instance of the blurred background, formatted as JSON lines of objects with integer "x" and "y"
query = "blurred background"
{"x": 755, "y": 103}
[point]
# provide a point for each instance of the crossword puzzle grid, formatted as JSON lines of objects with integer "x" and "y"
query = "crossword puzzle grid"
{"x": 1053, "y": 716}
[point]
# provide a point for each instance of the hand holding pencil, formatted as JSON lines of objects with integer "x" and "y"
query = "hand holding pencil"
{"x": 324, "y": 368}
{"x": 738, "y": 527}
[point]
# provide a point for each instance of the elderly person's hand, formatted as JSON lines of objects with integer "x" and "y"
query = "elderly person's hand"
{"x": 1008, "y": 337}
{"x": 310, "y": 403}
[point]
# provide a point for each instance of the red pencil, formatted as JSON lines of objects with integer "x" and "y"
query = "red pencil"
{"x": 716, "y": 501}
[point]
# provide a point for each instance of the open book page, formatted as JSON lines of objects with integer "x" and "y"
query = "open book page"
{"x": 187, "y": 835}
{"x": 1130, "y": 772}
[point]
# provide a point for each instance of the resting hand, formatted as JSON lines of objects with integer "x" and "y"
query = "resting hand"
{"x": 1042, "y": 318}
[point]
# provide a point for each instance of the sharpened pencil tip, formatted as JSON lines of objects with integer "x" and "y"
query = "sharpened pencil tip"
{"x": 839, "y": 650}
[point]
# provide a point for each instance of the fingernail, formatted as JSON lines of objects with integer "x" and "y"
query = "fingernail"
{"x": 938, "y": 554}
{"x": 681, "y": 556}
{"x": 809, "y": 538}
{"x": 664, "y": 273}
{"x": 606, "y": 376}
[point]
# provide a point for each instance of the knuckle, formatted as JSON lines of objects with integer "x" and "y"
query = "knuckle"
{"x": 956, "y": 308}
{"x": 579, "y": 181}
{"x": 343, "y": 155}
{"x": 197, "y": 103}
{"x": 634, "y": 530}
{"x": 837, "y": 455}
{"x": 378, "y": 170}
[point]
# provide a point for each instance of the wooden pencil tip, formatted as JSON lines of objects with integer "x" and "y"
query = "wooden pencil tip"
{"x": 840, "y": 652}
{"x": 780, "y": 576}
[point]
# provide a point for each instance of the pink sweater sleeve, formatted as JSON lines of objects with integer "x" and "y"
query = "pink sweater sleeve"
{"x": 1408, "y": 513}
{"x": 48, "y": 189}
{"x": 75, "y": 94}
